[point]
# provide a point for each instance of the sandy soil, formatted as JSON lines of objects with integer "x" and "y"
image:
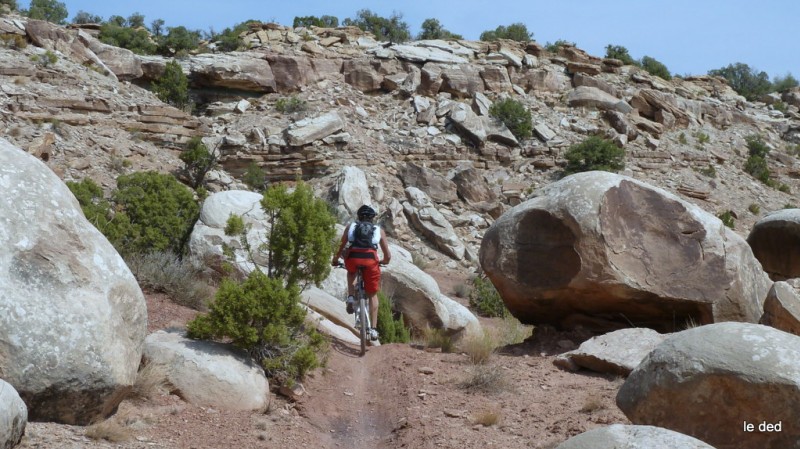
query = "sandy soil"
{"x": 395, "y": 396}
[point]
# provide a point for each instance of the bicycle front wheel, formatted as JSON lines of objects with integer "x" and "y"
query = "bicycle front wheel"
{"x": 362, "y": 310}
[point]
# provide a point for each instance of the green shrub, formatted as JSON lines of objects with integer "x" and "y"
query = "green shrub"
{"x": 393, "y": 29}
{"x": 756, "y": 164}
{"x": 235, "y": 225}
{"x": 555, "y": 46}
{"x": 135, "y": 40}
{"x": 49, "y": 10}
{"x": 780, "y": 106}
{"x": 173, "y": 86}
{"x": 515, "y": 116}
{"x": 709, "y": 171}
{"x": 746, "y": 81}
{"x": 594, "y": 153}
{"x": 621, "y": 53}
{"x": 432, "y": 29}
{"x": 485, "y": 299}
{"x": 789, "y": 206}
{"x": 754, "y": 208}
{"x": 161, "y": 212}
{"x": 290, "y": 105}
{"x": 98, "y": 210}
{"x": 13, "y": 41}
{"x": 157, "y": 27}
{"x": 178, "y": 40}
{"x": 516, "y": 32}
{"x": 167, "y": 273}
{"x": 12, "y": 4}
{"x": 229, "y": 39}
{"x": 254, "y": 177}
{"x": 263, "y": 317}
{"x": 390, "y": 328}
{"x": 314, "y": 21}
{"x": 198, "y": 159}
{"x": 785, "y": 188}
{"x": 655, "y": 67}
{"x": 784, "y": 83}
{"x": 84, "y": 17}
{"x": 727, "y": 219}
{"x": 682, "y": 139}
{"x": 45, "y": 59}
{"x": 438, "y": 338}
{"x": 136, "y": 20}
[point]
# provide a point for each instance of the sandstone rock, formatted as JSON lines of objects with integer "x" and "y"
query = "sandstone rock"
{"x": 330, "y": 328}
{"x": 13, "y": 416}
{"x": 481, "y": 104}
{"x": 430, "y": 79}
{"x": 782, "y": 308}
{"x": 426, "y": 54}
{"x": 362, "y": 74}
{"x": 462, "y": 81}
{"x": 469, "y": 124}
{"x": 122, "y": 62}
{"x": 207, "y": 373}
{"x": 775, "y": 240}
{"x": 544, "y": 132}
{"x": 578, "y": 68}
{"x": 234, "y": 70}
{"x": 471, "y": 186}
{"x": 496, "y": 79}
{"x": 618, "y": 352}
{"x": 650, "y": 101}
{"x": 706, "y": 381}
{"x": 291, "y": 72}
{"x": 352, "y": 190}
{"x": 72, "y": 316}
{"x": 497, "y": 131}
{"x": 431, "y": 223}
{"x": 436, "y": 186}
{"x": 587, "y": 96}
{"x": 598, "y": 249}
{"x": 208, "y": 236}
{"x": 632, "y": 437}
{"x": 581, "y": 79}
{"x": 541, "y": 80}
{"x": 329, "y": 306}
{"x": 308, "y": 130}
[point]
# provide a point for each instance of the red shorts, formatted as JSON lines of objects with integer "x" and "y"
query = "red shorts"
{"x": 367, "y": 258}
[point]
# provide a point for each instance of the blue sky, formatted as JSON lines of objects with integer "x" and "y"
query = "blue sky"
{"x": 688, "y": 36}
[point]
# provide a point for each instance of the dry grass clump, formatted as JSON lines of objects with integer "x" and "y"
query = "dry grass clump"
{"x": 592, "y": 403}
{"x": 487, "y": 418}
{"x": 165, "y": 272}
{"x": 437, "y": 338}
{"x": 109, "y": 430}
{"x": 485, "y": 379}
{"x": 462, "y": 290}
{"x": 479, "y": 348}
{"x": 150, "y": 381}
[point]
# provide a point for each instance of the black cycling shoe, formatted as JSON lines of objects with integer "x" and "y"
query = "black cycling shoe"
{"x": 350, "y": 302}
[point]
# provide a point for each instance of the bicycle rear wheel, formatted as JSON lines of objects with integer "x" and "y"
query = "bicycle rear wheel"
{"x": 362, "y": 310}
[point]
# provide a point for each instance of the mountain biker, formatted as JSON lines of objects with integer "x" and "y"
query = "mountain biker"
{"x": 359, "y": 248}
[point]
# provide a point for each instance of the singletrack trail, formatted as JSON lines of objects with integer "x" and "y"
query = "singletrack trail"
{"x": 358, "y": 401}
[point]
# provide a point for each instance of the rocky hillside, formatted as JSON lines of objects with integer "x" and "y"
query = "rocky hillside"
{"x": 408, "y": 115}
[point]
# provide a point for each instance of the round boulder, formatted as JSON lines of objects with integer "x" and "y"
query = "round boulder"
{"x": 713, "y": 382}
{"x": 13, "y": 416}
{"x": 775, "y": 240}
{"x": 619, "y": 436}
{"x": 72, "y": 316}
{"x": 606, "y": 251}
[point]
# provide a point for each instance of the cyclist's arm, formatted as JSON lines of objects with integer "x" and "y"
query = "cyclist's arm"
{"x": 387, "y": 255}
{"x": 338, "y": 253}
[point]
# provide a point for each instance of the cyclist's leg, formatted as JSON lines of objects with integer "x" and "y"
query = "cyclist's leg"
{"x": 373, "y": 309}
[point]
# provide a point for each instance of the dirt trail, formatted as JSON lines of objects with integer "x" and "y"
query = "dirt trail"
{"x": 353, "y": 402}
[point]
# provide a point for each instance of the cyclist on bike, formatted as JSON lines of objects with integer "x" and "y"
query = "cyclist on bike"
{"x": 359, "y": 248}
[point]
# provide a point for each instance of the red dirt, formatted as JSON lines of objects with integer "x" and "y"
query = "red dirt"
{"x": 396, "y": 396}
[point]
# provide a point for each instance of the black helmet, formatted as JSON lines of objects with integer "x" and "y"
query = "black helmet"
{"x": 366, "y": 212}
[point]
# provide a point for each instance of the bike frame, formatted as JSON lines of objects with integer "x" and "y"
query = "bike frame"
{"x": 362, "y": 311}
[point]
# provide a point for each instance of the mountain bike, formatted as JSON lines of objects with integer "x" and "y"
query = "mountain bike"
{"x": 361, "y": 310}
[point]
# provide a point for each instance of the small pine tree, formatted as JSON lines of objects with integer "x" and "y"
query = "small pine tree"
{"x": 198, "y": 159}
{"x": 515, "y": 32}
{"x": 594, "y": 153}
{"x": 621, "y": 53}
{"x": 515, "y": 116}
{"x": 50, "y": 10}
{"x": 655, "y": 67}
{"x": 173, "y": 86}
{"x": 393, "y": 29}
{"x": 390, "y": 329}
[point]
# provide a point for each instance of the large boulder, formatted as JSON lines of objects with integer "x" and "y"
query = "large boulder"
{"x": 13, "y": 416}
{"x": 308, "y": 130}
{"x": 424, "y": 216}
{"x": 605, "y": 251}
{"x": 72, "y": 316}
{"x": 234, "y": 70}
{"x": 618, "y": 352}
{"x": 208, "y": 240}
{"x": 775, "y": 240}
{"x": 208, "y": 373}
{"x": 632, "y": 437}
{"x": 588, "y": 96}
{"x": 711, "y": 381}
{"x": 352, "y": 190}
{"x": 438, "y": 188}
{"x": 782, "y": 308}
{"x": 472, "y": 187}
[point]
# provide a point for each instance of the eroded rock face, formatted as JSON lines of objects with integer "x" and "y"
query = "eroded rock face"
{"x": 618, "y": 352}
{"x": 72, "y": 316}
{"x": 424, "y": 216}
{"x": 706, "y": 381}
{"x": 439, "y": 188}
{"x": 775, "y": 240}
{"x": 597, "y": 249}
{"x": 782, "y": 308}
